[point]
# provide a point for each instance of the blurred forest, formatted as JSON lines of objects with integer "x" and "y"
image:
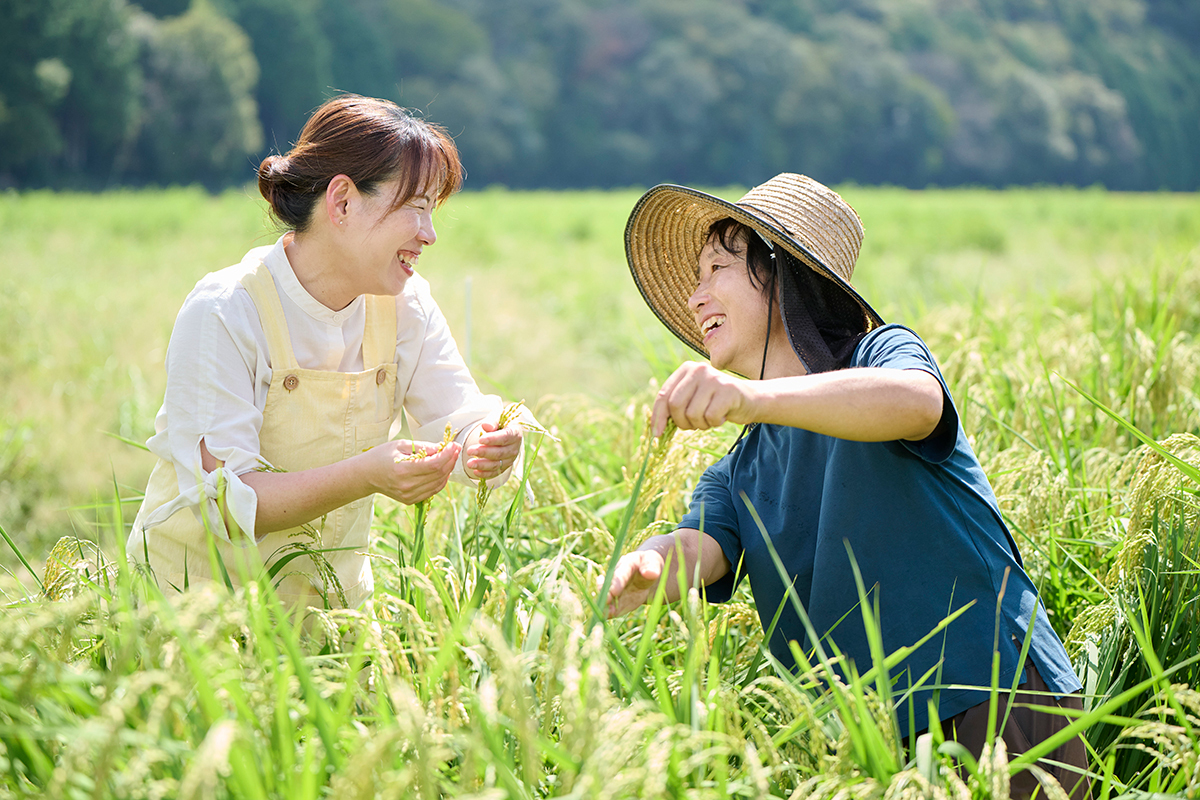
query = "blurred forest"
{"x": 603, "y": 93}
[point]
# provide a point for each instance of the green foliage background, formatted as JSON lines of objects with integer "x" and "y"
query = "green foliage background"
{"x": 611, "y": 93}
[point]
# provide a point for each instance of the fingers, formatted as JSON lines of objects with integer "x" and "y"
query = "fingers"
{"x": 408, "y": 448}
{"x": 662, "y": 411}
{"x": 495, "y": 451}
{"x": 429, "y": 476}
{"x": 507, "y": 437}
{"x": 482, "y": 469}
{"x": 422, "y": 469}
{"x": 634, "y": 577}
{"x": 695, "y": 397}
{"x": 487, "y": 452}
{"x": 416, "y": 480}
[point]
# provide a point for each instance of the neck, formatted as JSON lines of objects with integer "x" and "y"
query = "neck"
{"x": 779, "y": 359}
{"x": 313, "y": 259}
{"x": 782, "y": 361}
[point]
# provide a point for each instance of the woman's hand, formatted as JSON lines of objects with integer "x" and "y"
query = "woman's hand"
{"x": 412, "y": 480}
{"x": 635, "y": 577}
{"x": 697, "y": 397}
{"x": 491, "y": 452}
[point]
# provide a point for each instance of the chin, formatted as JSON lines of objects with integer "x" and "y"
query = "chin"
{"x": 396, "y": 285}
{"x": 728, "y": 365}
{"x": 718, "y": 362}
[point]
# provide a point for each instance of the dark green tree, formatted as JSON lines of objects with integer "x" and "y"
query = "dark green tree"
{"x": 294, "y": 61}
{"x": 201, "y": 120}
{"x": 1158, "y": 78}
{"x": 164, "y": 8}
{"x": 565, "y": 93}
{"x": 69, "y": 90}
{"x": 1177, "y": 18}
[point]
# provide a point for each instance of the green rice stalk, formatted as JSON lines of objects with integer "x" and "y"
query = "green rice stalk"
{"x": 21, "y": 557}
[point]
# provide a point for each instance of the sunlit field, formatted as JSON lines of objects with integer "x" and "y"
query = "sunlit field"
{"x": 1064, "y": 321}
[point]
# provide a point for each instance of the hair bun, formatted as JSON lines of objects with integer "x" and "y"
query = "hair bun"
{"x": 272, "y": 183}
{"x": 273, "y": 167}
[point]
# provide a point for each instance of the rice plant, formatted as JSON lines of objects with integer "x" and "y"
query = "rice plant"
{"x": 441, "y": 688}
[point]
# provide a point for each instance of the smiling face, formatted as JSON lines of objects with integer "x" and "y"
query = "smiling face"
{"x": 731, "y": 312}
{"x": 388, "y": 240}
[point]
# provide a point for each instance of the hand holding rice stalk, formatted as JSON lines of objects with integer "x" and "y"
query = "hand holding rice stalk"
{"x": 417, "y": 455}
{"x": 511, "y": 414}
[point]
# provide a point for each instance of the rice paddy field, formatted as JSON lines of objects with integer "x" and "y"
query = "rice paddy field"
{"x": 1064, "y": 320}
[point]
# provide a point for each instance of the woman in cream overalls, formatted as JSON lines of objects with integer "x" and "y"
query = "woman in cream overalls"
{"x": 285, "y": 372}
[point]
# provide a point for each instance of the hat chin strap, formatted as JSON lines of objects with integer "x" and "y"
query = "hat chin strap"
{"x": 762, "y": 371}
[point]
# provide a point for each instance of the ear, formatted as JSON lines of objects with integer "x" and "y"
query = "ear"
{"x": 340, "y": 197}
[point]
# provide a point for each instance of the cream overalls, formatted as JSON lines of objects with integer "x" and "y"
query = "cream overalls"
{"x": 312, "y": 418}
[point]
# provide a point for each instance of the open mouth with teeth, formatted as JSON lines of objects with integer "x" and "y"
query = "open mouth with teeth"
{"x": 408, "y": 262}
{"x": 711, "y": 324}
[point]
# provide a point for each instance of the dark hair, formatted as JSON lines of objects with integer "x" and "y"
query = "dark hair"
{"x": 368, "y": 140}
{"x": 759, "y": 264}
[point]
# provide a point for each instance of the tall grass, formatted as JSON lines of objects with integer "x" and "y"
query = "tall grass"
{"x": 444, "y": 689}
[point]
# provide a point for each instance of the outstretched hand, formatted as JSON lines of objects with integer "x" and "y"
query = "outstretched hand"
{"x": 697, "y": 397}
{"x": 634, "y": 579}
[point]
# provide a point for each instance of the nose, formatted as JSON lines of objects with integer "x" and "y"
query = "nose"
{"x": 698, "y": 298}
{"x": 426, "y": 233}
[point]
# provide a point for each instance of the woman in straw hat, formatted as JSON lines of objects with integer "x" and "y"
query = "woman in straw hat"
{"x": 285, "y": 372}
{"x": 852, "y": 458}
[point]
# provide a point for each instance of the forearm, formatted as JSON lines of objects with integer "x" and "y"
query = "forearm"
{"x": 861, "y": 404}
{"x": 289, "y": 499}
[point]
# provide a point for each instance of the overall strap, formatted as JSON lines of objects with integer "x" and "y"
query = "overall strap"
{"x": 261, "y": 286}
{"x": 379, "y": 333}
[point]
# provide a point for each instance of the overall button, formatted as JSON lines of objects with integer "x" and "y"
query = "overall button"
{"x": 291, "y": 382}
{"x": 381, "y": 376}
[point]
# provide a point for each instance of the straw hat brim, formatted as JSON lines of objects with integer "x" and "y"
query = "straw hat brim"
{"x": 664, "y": 236}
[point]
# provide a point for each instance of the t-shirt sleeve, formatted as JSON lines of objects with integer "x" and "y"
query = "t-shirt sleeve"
{"x": 713, "y": 511}
{"x": 896, "y": 347}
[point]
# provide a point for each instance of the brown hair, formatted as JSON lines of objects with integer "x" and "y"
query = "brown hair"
{"x": 368, "y": 140}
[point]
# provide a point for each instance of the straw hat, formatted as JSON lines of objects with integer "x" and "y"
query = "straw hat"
{"x": 669, "y": 225}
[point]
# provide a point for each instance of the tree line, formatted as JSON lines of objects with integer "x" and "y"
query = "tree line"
{"x": 601, "y": 93}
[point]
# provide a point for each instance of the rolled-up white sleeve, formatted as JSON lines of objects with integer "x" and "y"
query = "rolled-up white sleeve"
{"x": 217, "y": 375}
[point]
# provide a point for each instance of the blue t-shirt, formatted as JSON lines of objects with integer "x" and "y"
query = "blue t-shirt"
{"x": 924, "y": 528}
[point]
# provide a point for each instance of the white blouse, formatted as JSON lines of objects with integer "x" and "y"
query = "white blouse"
{"x": 218, "y": 371}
